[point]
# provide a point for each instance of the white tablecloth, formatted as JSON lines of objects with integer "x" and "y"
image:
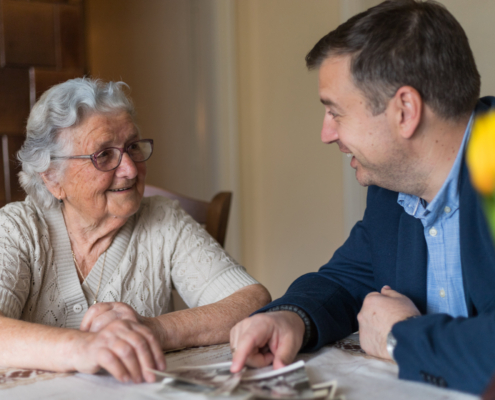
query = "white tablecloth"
{"x": 359, "y": 376}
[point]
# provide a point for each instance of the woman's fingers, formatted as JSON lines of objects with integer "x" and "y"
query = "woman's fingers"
{"x": 146, "y": 353}
{"x": 102, "y": 320}
{"x": 101, "y": 314}
{"x": 125, "y": 349}
{"x": 92, "y": 313}
{"x": 112, "y": 363}
{"x": 129, "y": 359}
{"x": 154, "y": 346}
{"x": 144, "y": 357}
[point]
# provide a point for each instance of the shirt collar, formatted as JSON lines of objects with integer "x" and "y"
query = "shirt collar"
{"x": 448, "y": 195}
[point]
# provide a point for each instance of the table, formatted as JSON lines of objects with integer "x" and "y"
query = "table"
{"x": 359, "y": 376}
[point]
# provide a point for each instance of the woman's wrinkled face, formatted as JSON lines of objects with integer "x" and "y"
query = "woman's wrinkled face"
{"x": 97, "y": 195}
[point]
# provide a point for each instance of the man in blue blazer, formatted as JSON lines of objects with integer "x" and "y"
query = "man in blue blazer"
{"x": 417, "y": 275}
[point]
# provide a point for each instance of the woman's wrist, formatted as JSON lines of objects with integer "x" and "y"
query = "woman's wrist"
{"x": 158, "y": 329}
{"x": 73, "y": 347}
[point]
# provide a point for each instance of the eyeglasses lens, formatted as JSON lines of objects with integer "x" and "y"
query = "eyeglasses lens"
{"x": 109, "y": 159}
{"x": 139, "y": 151}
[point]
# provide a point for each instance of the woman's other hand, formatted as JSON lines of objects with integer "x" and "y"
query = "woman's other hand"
{"x": 101, "y": 314}
{"x": 125, "y": 348}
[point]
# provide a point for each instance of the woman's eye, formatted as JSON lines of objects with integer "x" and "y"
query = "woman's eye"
{"x": 103, "y": 154}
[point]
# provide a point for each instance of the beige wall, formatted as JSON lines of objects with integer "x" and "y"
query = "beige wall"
{"x": 178, "y": 58}
{"x": 151, "y": 46}
{"x": 476, "y": 17}
{"x": 290, "y": 199}
{"x": 289, "y": 210}
{"x": 291, "y": 183}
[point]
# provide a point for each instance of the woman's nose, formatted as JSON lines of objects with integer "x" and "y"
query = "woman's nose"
{"x": 127, "y": 167}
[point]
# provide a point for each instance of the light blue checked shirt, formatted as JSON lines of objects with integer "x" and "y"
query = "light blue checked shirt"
{"x": 440, "y": 218}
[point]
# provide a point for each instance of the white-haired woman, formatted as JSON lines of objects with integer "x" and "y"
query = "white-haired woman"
{"x": 87, "y": 264}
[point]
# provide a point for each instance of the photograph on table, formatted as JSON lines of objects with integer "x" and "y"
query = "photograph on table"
{"x": 290, "y": 382}
{"x": 210, "y": 379}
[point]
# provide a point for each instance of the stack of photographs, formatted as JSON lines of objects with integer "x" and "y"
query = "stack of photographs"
{"x": 216, "y": 380}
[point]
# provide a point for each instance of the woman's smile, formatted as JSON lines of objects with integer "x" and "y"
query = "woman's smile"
{"x": 122, "y": 189}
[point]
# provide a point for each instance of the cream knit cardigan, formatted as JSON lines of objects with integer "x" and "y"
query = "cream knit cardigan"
{"x": 158, "y": 245}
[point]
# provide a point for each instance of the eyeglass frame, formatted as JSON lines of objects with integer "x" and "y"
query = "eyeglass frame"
{"x": 93, "y": 156}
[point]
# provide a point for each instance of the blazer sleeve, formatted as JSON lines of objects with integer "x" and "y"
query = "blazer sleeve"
{"x": 452, "y": 352}
{"x": 332, "y": 297}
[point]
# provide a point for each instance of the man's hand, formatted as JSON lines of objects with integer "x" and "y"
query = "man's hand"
{"x": 379, "y": 313}
{"x": 265, "y": 338}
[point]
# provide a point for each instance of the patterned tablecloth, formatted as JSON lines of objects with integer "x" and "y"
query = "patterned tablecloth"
{"x": 359, "y": 376}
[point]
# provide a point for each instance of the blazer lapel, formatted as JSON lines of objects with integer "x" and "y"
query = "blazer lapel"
{"x": 477, "y": 250}
{"x": 412, "y": 261}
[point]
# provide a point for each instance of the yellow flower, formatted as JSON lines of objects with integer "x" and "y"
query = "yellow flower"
{"x": 481, "y": 154}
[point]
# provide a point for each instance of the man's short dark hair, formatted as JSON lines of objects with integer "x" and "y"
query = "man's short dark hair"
{"x": 406, "y": 42}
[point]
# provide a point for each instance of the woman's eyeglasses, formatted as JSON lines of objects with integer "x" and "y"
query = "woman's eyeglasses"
{"x": 108, "y": 159}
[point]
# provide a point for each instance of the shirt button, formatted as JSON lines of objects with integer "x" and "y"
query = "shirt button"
{"x": 433, "y": 232}
{"x": 447, "y": 209}
{"x": 442, "y": 293}
{"x": 77, "y": 308}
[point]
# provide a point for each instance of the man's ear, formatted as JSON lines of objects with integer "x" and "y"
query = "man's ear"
{"x": 408, "y": 109}
{"x": 52, "y": 184}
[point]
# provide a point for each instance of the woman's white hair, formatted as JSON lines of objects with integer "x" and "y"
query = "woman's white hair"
{"x": 65, "y": 105}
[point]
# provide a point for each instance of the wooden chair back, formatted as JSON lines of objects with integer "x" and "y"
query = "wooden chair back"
{"x": 489, "y": 393}
{"x": 213, "y": 215}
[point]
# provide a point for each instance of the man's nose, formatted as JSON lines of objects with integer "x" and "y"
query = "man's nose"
{"x": 328, "y": 133}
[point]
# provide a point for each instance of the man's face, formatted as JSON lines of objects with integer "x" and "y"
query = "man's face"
{"x": 376, "y": 153}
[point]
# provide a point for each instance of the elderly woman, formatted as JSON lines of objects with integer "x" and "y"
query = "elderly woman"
{"x": 87, "y": 264}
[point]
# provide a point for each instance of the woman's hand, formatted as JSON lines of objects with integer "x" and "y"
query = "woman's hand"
{"x": 125, "y": 348}
{"x": 101, "y": 314}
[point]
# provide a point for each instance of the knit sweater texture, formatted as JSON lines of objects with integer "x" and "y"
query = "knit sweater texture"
{"x": 159, "y": 246}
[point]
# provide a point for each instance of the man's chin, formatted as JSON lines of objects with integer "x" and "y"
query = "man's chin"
{"x": 363, "y": 179}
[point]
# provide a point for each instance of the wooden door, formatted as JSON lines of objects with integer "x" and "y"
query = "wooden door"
{"x": 41, "y": 44}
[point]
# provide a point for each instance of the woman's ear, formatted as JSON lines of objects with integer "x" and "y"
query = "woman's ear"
{"x": 408, "y": 106}
{"x": 52, "y": 184}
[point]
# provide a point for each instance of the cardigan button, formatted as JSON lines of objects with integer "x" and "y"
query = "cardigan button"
{"x": 77, "y": 308}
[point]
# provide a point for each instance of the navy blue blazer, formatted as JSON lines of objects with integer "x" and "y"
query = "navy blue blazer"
{"x": 388, "y": 247}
